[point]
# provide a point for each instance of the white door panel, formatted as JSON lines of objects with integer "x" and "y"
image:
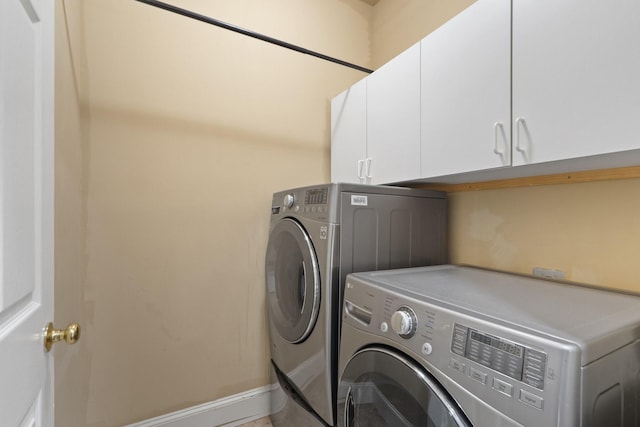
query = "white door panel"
{"x": 26, "y": 210}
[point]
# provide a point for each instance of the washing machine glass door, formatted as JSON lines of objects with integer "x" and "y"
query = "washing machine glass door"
{"x": 293, "y": 281}
{"x": 380, "y": 387}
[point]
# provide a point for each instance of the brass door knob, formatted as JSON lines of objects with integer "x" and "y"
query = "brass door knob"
{"x": 71, "y": 335}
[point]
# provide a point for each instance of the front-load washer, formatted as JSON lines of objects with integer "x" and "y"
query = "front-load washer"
{"x": 318, "y": 235}
{"x": 461, "y": 346}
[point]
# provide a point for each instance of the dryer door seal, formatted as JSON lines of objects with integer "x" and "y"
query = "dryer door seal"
{"x": 293, "y": 281}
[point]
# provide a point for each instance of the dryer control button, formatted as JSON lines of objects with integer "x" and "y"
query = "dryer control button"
{"x": 289, "y": 200}
{"x": 384, "y": 326}
{"x": 427, "y": 349}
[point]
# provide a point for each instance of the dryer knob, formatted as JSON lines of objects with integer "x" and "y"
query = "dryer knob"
{"x": 404, "y": 322}
{"x": 289, "y": 200}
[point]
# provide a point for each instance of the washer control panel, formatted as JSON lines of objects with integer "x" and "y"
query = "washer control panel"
{"x": 509, "y": 358}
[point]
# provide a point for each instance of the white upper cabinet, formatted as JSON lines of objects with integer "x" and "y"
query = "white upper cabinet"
{"x": 393, "y": 120}
{"x": 349, "y": 134}
{"x": 466, "y": 91}
{"x": 375, "y": 125}
{"x": 576, "y": 79}
{"x": 504, "y": 89}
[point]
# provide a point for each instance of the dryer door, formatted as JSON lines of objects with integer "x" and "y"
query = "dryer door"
{"x": 380, "y": 387}
{"x": 293, "y": 281}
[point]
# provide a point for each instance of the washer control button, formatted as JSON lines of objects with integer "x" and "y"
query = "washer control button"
{"x": 531, "y": 399}
{"x": 404, "y": 322}
{"x": 503, "y": 387}
{"x": 384, "y": 326}
{"x": 427, "y": 349}
{"x": 478, "y": 375}
{"x": 456, "y": 365}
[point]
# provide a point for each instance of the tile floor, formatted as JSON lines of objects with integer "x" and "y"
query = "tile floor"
{"x": 262, "y": 422}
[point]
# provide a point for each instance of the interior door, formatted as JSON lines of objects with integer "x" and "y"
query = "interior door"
{"x": 26, "y": 210}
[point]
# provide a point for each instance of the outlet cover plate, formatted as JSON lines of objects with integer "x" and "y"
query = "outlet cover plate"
{"x": 547, "y": 273}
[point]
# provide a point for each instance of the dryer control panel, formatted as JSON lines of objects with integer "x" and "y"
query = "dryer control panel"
{"x": 311, "y": 202}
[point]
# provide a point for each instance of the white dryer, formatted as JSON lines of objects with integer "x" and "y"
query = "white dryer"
{"x": 461, "y": 346}
{"x": 318, "y": 235}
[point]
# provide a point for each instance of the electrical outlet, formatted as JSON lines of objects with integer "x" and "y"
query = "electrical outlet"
{"x": 547, "y": 273}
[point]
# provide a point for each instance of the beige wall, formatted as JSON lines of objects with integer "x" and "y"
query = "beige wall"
{"x": 590, "y": 231}
{"x": 398, "y": 24}
{"x": 172, "y": 135}
{"x": 167, "y": 158}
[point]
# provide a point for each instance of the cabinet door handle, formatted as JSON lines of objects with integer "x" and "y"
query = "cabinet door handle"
{"x": 497, "y": 126}
{"x": 519, "y": 121}
{"x": 368, "y": 168}
{"x": 359, "y": 169}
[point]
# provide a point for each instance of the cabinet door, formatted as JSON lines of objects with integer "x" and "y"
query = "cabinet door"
{"x": 465, "y": 91}
{"x": 576, "y": 84}
{"x": 393, "y": 120}
{"x": 349, "y": 133}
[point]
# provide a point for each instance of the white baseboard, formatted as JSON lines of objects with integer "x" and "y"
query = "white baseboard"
{"x": 229, "y": 411}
